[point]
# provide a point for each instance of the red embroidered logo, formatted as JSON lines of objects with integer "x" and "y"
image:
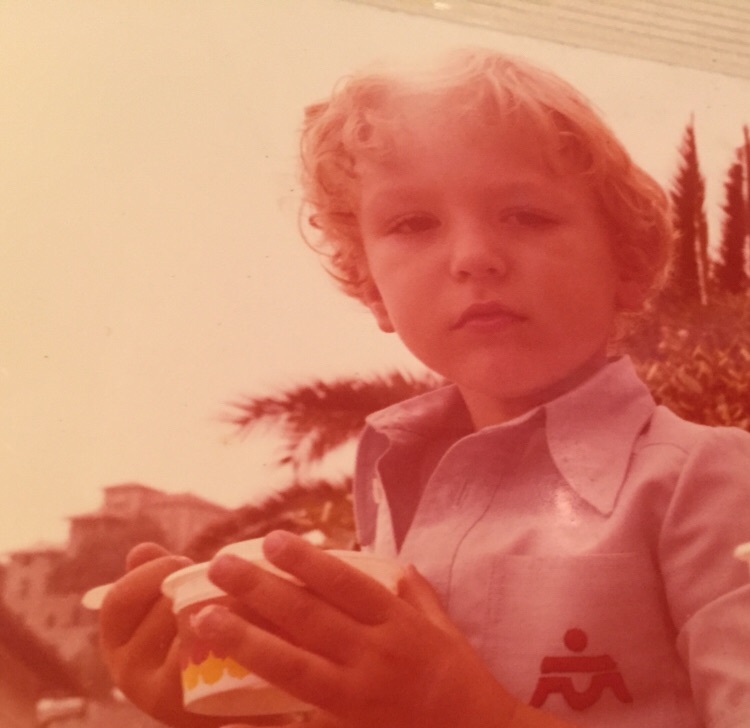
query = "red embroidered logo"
{"x": 603, "y": 670}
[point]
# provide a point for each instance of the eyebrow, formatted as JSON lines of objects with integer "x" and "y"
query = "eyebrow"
{"x": 385, "y": 194}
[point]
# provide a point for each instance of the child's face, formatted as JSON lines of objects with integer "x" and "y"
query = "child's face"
{"x": 495, "y": 273}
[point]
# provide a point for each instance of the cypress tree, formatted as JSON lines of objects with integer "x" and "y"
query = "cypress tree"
{"x": 688, "y": 195}
{"x": 729, "y": 270}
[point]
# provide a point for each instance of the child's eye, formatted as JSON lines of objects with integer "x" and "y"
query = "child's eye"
{"x": 529, "y": 218}
{"x": 413, "y": 224}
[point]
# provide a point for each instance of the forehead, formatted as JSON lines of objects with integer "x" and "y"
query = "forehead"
{"x": 447, "y": 154}
{"x": 439, "y": 173}
{"x": 406, "y": 127}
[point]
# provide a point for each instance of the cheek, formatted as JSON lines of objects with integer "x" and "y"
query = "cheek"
{"x": 374, "y": 299}
{"x": 631, "y": 295}
{"x": 393, "y": 277}
{"x": 580, "y": 296}
{"x": 393, "y": 294}
{"x": 596, "y": 273}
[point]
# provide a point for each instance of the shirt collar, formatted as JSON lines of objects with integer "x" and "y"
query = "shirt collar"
{"x": 423, "y": 416}
{"x": 590, "y": 430}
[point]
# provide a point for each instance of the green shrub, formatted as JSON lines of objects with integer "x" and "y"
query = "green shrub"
{"x": 696, "y": 359}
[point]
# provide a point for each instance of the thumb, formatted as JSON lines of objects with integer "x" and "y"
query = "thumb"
{"x": 414, "y": 589}
{"x": 143, "y": 553}
{"x": 324, "y": 720}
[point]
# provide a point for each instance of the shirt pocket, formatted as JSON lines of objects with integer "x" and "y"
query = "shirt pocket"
{"x": 556, "y": 621}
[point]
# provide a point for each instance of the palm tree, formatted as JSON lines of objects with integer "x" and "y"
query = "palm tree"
{"x": 319, "y": 509}
{"x": 313, "y": 420}
{"x": 316, "y": 418}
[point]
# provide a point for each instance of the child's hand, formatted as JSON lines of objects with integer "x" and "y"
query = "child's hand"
{"x": 138, "y": 637}
{"x": 349, "y": 646}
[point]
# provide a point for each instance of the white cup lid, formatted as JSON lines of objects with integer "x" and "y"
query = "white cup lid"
{"x": 191, "y": 585}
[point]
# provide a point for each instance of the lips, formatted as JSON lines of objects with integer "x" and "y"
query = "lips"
{"x": 487, "y": 315}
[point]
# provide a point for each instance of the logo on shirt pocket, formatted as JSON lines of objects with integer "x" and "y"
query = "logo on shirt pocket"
{"x": 558, "y": 671}
{"x": 580, "y": 633}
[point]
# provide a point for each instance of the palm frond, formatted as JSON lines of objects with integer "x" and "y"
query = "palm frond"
{"x": 315, "y": 418}
{"x": 301, "y": 507}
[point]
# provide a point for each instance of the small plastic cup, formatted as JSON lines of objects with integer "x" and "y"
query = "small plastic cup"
{"x": 214, "y": 683}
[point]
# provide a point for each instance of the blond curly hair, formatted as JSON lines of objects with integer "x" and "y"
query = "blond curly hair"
{"x": 485, "y": 92}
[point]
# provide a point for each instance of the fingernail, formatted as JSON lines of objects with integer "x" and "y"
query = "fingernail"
{"x": 222, "y": 563}
{"x": 276, "y": 542}
{"x": 227, "y": 565}
{"x": 208, "y": 620}
{"x": 234, "y": 575}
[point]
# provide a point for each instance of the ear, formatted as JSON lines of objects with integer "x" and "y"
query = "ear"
{"x": 373, "y": 300}
{"x": 630, "y": 294}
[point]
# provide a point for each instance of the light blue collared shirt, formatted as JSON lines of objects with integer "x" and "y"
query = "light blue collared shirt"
{"x": 585, "y": 548}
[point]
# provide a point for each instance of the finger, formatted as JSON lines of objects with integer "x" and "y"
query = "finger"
{"x": 415, "y": 590}
{"x": 155, "y": 637}
{"x": 132, "y": 598}
{"x": 143, "y": 553}
{"x": 273, "y": 602}
{"x": 130, "y": 664}
{"x": 267, "y": 722}
{"x": 338, "y": 583}
{"x": 324, "y": 720}
{"x": 306, "y": 676}
{"x": 282, "y": 721}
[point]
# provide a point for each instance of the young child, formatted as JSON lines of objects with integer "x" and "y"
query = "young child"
{"x": 569, "y": 544}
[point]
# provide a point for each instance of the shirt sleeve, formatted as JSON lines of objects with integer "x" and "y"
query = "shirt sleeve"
{"x": 708, "y": 590}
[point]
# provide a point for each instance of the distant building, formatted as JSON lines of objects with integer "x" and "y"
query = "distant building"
{"x": 56, "y": 617}
{"x": 41, "y": 586}
{"x": 180, "y": 515}
{"x": 30, "y": 670}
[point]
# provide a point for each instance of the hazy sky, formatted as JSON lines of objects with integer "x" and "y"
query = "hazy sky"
{"x": 150, "y": 264}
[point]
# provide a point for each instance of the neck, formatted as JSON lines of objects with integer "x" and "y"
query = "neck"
{"x": 486, "y": 410}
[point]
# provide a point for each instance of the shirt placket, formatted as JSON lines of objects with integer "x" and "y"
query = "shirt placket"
{"x": 456, "y": 498}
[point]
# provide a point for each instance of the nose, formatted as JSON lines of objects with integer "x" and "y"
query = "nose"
{"x": 476, "y": 251}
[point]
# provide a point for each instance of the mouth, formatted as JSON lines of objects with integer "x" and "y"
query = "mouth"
{"x": 487, "y": 316}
